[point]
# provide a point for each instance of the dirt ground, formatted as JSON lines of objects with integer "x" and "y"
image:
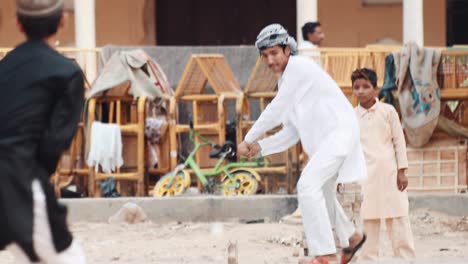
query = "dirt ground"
{"x": 436, "y": 235}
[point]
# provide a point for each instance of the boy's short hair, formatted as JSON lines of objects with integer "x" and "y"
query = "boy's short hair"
{"x": 364, "y": 73}
{"x": 309, "y": 27}
{"x": 39, "y": 18}
{"x": 37, "y": 28}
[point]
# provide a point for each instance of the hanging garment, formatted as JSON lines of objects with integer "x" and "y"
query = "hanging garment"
{"x": 419, "y": 92}
{"x": 106, "y": 147}
{"x": 155, "y": 129}
{"x": 131, "y": 72}
{"x": 389, "y": 84}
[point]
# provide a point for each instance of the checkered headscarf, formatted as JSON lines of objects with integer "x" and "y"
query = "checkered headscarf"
{"x": 273, "y": 35}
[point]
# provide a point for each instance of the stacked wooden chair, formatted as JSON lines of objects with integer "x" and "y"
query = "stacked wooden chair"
{"x": 120, "y": 105}
{"x": 207, "y": 87}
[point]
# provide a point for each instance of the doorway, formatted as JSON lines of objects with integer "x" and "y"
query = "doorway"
{"x": 215, "y": 22}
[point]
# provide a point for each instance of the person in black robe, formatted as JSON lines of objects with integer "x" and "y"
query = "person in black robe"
{"x": 41, "y": 98}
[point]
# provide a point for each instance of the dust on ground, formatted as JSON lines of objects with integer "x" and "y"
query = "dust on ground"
{"x": 436, "y": 235}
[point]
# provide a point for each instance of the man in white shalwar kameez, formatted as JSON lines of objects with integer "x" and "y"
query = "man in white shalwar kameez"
{"x": 312, "y": 108}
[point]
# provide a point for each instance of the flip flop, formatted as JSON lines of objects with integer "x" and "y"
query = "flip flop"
{"x": 319, "y": 260}
{"x": 352, "y": 251}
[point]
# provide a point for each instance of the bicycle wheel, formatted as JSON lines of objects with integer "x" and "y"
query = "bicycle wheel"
{"x": 177, "y": 187}
{"x": 244, "y": 181}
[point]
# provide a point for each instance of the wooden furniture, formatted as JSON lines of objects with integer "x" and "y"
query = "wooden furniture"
{"x": 453, "y": 74}
{"x": 164, "y": 147}
{"x": 72, "y": 167}
{"x": 206, "y": 89}
{"x": 129, "y": 114}
{"x": 339, "y": 63}
{"x": 138, "y": 104}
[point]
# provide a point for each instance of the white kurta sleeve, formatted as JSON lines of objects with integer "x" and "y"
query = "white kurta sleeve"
{"x": 273, "y": 115}
{"x": 280, "y": 141}
{"x": 398, "y": 138}
{"x": 269, "y": 118}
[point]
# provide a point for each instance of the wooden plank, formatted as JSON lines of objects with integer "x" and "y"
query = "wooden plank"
{"x": 195, "y": 123}
{"x": 199, "y": 97}
{"x": 119, "y": 112}
{"x": 454, "y": 93}
{"x": 252, "y": 76}
{"x": 180, "y": 90}
{"x": 172, "y": 131}
{"x": 262, "y": 95}
{"x": 208, "y": 56}
{"x": 200, "y": 128}
{"x": 141, "y": 147}
{"x": 131, "y": 128}
{"x": 126, "y": 98}
{"x": 129, "y": 176}
{"x": 81, "y": 172}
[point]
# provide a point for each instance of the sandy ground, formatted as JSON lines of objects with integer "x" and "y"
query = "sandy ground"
{"x": 436, "y": 235}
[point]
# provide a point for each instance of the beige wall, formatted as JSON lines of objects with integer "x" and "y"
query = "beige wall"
{"x": 347, "y": 23}
{"x": 122, "y": 23}
{"x": 435, "y": 23}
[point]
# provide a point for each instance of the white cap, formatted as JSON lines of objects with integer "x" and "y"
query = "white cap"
{"x": 38, "y": 8}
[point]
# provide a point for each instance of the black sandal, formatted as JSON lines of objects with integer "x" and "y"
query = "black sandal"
{"x": 352, "y": 251}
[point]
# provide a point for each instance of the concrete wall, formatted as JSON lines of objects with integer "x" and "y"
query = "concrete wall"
{"x": 242, "y": 208}
{"x": 350, "y": 24}
{"x": 124, "y": 22}
{"x": 187, "y": 209}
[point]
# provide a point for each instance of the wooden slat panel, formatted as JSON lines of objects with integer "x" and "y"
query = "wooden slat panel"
{"x": 261, "y": 80}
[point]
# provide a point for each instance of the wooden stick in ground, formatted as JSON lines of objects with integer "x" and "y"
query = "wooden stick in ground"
{"x": 232, "y": 253}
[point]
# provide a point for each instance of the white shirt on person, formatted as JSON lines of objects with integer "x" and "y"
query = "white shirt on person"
{"x": 313, "y": 109}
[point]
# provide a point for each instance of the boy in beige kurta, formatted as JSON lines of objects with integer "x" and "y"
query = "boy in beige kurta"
{"x": 384, "y": 191}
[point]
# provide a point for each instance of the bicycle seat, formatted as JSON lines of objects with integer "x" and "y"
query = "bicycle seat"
{"x": 228, "y": 148}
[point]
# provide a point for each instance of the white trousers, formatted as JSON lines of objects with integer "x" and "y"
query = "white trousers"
{"x": 320, "y": 208}
{"x": 42, "y": 237}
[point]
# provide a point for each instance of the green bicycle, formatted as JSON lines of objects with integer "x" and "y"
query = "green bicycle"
{"x": 237, "y": 178}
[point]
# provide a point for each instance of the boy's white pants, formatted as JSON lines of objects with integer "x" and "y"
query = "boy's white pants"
{"x": 320, "y": 208}
{"x": 42, "y": 237}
